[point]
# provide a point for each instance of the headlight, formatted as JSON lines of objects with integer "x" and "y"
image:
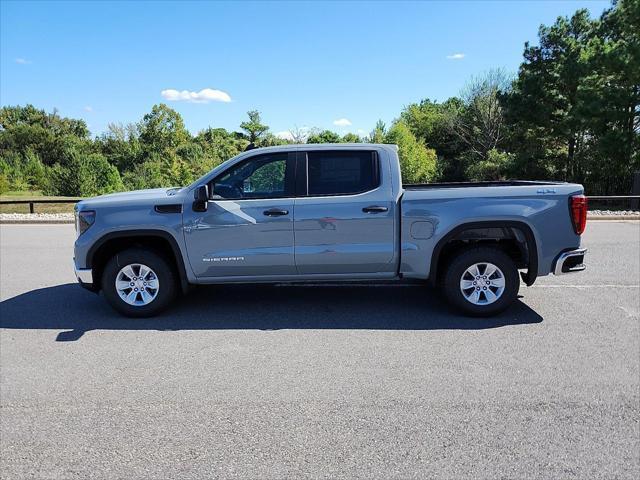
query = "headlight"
{"x": 84, "y": 219}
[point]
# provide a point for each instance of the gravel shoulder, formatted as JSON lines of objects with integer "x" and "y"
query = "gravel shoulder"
{"x": 27, "y": 218}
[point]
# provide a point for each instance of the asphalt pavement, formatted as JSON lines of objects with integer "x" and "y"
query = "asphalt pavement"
{"x": 347, "y": 381}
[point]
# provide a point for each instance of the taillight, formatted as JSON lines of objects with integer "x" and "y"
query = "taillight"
{"x": 578, "y": 209}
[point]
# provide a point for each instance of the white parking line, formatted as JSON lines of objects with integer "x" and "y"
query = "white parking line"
{"x": 391, "y": 285}
{"x": 347, "y": 284}
{"x": 586, "y": 286}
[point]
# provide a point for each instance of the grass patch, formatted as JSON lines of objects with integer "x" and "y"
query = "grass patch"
{"x": 22, "y": 193}
{"x": 38, "y": 207}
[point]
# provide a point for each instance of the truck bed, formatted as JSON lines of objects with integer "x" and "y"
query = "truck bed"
{"x": 497, "y": 183}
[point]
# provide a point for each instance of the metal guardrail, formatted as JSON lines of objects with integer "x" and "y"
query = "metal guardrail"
{"x": 630, "y": 201}
{"x": 32, "y": 202}
{"x": 613, "y": 197}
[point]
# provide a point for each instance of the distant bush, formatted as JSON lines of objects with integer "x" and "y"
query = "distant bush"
{"x": 84, "y": 176}
{"x": 145, "y": 175}
{"x": 23, "y": 171}
{"x": 497, "y": 166}
{"x": 34, "y": 171}
{"x": 4, "y": 183}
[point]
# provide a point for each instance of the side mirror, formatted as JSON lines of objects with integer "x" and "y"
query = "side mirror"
{"x": 200, "y": 198}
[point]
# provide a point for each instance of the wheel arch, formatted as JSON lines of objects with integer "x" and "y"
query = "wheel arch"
{"x": 489, "y": 231}
{"x": 159, "y": 240}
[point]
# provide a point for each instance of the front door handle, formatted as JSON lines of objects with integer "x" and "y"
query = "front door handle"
{"x": 375, "y": 209}
{"x": 275, "y": 212}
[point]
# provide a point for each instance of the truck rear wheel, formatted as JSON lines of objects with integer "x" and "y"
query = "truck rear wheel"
{"x": 138, "y": 283}
{"x": 481, "y": 281}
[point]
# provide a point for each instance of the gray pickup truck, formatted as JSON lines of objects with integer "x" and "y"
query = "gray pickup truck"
{"x": 332, "y": 212}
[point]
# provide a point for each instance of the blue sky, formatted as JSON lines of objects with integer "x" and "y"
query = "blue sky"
{"x": 301, "y": 64}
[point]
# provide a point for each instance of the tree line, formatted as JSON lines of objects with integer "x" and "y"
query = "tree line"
{"x": 572, "y": 112}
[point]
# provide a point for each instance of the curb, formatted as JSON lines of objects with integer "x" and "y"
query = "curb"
{"x": 37, "y": 222}
{"x": 613, "y": 217}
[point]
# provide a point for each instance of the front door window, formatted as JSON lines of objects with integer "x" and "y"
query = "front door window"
{"x": 262, "y": 177}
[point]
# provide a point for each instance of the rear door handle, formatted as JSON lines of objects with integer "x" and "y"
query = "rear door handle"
{"x": 375, "y": 209}
{"x": 275, "y": 212}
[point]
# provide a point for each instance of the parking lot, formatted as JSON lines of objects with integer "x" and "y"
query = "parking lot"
{"x": 319, "y": 381}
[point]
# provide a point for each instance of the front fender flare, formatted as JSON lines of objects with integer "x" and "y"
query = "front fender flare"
{"x": 171, "y": 240}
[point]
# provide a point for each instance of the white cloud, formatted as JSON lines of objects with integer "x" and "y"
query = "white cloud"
{"x": 342, "y": 122}
{"x": 88, "y": 108}
{"x": 205, "y": 95}
{"x": 23, "y": 61}
{"x": 456, "y": 56}
{"x": 285, "y": 135}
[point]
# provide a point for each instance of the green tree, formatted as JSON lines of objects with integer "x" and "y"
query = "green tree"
{"x": 325, "y": 136}
{"x": 34, "y": 171}
{"x": 547, "y": 102}
{"x": 27, "y": 128}
{"x": 162, "y": 130}
{"x": 179, "y": 172}
{"x": 220, "y": 145}
{"x": 417, "y": 162}
{"x": 270, "y": 140}
{"x": 430, "y": 122}
{"x": 12, "y": 117}
{"x": 350, "y": 138}
{"x": 148, "y": 174}
{"x": 253, "y": 127}
{"x": 121, "y": 145}
{"x": 496, "y": 166}
{"x": 481, "y": 125}
{"x": 103, "y": 177}
{"x": 9, "y": 171}
{"x": 12, "y": 165}
{"x": 84, "y": 176}
{"x": 575, "y": 106}
{"x": 4, "y": 183}
{"x": 611, "y": 99}
{"x": 379, "y": 133}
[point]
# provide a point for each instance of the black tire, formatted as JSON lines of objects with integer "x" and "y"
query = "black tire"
{"x": 466, "y": 259}
{"x": 167, "y": 282}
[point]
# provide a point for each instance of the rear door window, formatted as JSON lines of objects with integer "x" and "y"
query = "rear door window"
{"x": 341, "y": 172}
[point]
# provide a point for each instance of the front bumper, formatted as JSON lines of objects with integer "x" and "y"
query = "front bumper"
{"x": 570, "y": 262}
{"x": 84, "y": 276}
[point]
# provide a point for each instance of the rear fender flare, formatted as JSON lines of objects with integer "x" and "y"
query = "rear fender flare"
{"x": 532, "y": 268}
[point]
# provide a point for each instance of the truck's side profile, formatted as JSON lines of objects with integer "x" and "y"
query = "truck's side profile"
{"x": 327, "y": 213}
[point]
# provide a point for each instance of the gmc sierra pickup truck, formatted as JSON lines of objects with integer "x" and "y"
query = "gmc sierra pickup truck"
{"x": 332, "y": 213}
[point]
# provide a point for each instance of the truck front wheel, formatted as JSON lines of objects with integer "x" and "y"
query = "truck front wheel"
{"x": 481, "y": 281}
{"x": 138, "y": 283}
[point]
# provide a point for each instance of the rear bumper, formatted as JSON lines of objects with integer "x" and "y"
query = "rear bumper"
{"x": 570, "y": 262}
